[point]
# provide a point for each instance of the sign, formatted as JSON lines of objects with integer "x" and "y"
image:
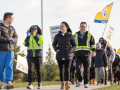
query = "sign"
{"x": 109, "y": 34}
{"x": 54, "y": 30}
{"x": 22, "y": 64}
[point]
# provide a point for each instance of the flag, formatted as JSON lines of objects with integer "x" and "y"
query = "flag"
{"x": 103, "y": 16}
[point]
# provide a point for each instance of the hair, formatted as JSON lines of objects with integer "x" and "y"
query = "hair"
{"x": 38, "y": 29}
{"x": 6, "y": 15}
{"x": 83, "y": 23}
{"x": 66, "y": 24}
{"x": 115, "y": 50}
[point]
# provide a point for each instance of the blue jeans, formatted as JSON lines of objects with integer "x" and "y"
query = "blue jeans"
{"x": 6, "y": 66}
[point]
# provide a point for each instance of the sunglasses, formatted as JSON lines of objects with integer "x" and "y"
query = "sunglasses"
{"x": 34, "y": 29}
{"x": 82, "y": 26}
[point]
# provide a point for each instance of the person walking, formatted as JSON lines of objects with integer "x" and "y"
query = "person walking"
{"x": 85, "y": 43}
{"x": 8, "y": 38}
{"x": 100, "y": 63}
{"x": 34, "y": 42}
{"x": 64, "y": 46}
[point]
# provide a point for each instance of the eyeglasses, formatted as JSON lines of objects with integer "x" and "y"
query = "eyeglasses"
{"x": 34, "y": 29}
{"x": 82, "y": 26}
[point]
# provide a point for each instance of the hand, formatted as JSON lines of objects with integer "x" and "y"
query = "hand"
{"x": 74, "y": 64}
{"x": 63, "y": 58}
{"x": 57, "y": 50}
{"x": 73, "y": 54}
{"x": 93, "y": 54}
{"x": 10, "y": 39}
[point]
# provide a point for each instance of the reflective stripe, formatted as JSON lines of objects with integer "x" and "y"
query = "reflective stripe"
{"x": 93, "y": 46}
{"x": 83, "y": 48}
{"x": 87, "y": 48}
{"x": 35, "y": 47}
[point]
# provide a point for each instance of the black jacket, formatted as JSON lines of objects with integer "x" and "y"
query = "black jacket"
{"x": 116, "y": 61}
{"x": 63, "y": 43}
{"x": 100, "y": 58}
{"x": 82, "y": 42}
{"x": 5, "y": 34}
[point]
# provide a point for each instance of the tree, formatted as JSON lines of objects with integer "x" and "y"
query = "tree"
{"x": 16, "y": 73}
{"x": 50, "y": 68}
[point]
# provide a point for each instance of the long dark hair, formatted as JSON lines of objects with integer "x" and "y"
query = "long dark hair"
{"x": 67, "y": 25}
{"x": 38, "y": 29}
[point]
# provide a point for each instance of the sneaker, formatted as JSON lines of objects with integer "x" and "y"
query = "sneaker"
{"x": 39, "y": 86}
{"x": 2, "y": 86}
{"x": 78, "y": 84}
{"x": 9, "y": 86}
{"x": 86, "y": 86}
{"x": 30, "y": 86}
{"x": 70, "y": 83}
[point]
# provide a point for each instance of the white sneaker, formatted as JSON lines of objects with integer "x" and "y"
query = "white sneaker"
{"x": 30, "y": 86}
{"x": 2, "y": 86}
{"x": 39, "y": 86}
{"x": 69, "y": 82}
{"x": 9, "y": 86}
{"x": 86, "y": 86}
{"x": 78, "y": 84}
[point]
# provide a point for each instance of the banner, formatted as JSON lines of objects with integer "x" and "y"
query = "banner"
{"x": 22, "y": 64}
{"x": 109, "y": 34}
{"x": 103, "y": 16}
{"x": 54, "y": 30}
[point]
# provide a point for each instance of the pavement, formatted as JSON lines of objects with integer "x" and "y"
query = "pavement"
{"x": 72, "y": 87}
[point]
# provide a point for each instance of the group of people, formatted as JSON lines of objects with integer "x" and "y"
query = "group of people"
{"x": 75, "y": 54}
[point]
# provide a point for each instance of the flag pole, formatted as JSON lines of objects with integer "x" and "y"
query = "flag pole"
{"x": 107, "y": 22}
{"x": 42, "y": 24}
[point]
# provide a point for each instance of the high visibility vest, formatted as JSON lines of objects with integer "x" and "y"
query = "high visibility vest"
{"x": 87, "y": 47}
{"x": 33, "y": 45}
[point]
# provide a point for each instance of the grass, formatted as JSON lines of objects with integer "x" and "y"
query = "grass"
{"x": 112, "y": 87}
{"x": 19, "y": 84}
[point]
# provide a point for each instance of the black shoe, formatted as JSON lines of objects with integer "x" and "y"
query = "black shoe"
{"x": 99, "y": 83}
{"x": 102, "y": 81}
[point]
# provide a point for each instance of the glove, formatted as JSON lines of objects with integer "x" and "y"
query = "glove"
{"x": 11, "y": 41}
{"x": 28, "y": 34}
{"x": 34, "y": 33}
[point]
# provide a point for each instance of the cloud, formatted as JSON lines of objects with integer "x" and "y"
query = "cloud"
{"x": 80, "y": 8}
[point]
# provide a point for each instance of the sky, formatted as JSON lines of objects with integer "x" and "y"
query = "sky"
{"x": 28, "y": 13}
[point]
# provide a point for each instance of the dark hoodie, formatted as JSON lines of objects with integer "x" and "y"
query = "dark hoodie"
{"x": 103, "y": 44}
{"x": 7, "y": 32}
{"x": 63, "y": 43}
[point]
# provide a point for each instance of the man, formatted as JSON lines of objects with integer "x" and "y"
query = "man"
{"x": 85, "y": 43}
{"x": 115, "y": 65}
{"x": 8, "y": 38}
{"x": 103, "y": 44}
{"x": 104, "y": 47}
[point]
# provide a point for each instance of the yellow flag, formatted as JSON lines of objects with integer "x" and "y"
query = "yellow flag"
{"x": 103, "y": 16}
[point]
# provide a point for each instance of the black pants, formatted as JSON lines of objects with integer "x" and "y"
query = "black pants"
{"x": 92, "y": 73}
{"x": 72, "y": 71}
{"x": 64, "y": 68}
{"x": 115, "y": 78}
{"x": 86, "y": 63}
{"x": 37, "y": 61}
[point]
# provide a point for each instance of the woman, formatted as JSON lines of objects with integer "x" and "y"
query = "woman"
{"x": 64, "y": 44}
{"x": 34, "y": 42}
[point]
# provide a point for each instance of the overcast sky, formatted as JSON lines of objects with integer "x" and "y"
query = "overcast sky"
{"x": 28, "y": 12}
